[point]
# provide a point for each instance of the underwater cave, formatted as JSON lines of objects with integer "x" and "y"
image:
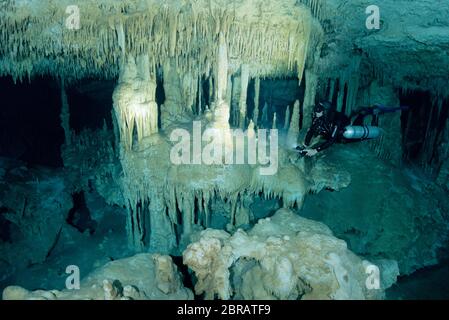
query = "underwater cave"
{"x": 233, "y": 150}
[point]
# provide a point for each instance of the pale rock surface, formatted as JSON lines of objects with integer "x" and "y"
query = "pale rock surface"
{"x": 141, "y": 277}
{"x": 282, "y": 257}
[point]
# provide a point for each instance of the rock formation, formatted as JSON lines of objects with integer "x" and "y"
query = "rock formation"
{"x": 282, "y": 257}
{"x": 141, "y": 277}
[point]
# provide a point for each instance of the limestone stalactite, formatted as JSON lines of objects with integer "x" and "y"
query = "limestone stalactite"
{"x": 222, "y": 78}
{"x": 222, "y": 109}
{"x": 272, "y": 42}
{"x": 235, "y": 99}
{"x": 200, "y": 95}
{"x": 243, "y": 95}
{"x": 134, "y": 101}
{"x": 256, "y": 100}
{"x": 229, "y": 89}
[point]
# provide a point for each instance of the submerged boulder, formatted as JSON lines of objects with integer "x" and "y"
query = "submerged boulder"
{"x": 282, "y": 257}
{"x": 141, "y": 277}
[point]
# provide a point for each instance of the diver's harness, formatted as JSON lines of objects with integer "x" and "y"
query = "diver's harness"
{"x": 363, "y": 132}
{"x": 351, "y": 133}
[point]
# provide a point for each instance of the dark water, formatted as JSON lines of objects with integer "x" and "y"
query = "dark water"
{"x": 426, "y": 284}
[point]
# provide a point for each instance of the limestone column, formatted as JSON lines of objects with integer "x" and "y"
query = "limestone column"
{"x": 188, "y": 90}
{"x": 309, "y": 98}
{"x": 162, "y": 233}
{"x": 229, "y": 89}
{"x": 293, "y": 131}
{"x": 200, "y": 95}
{"x": 287, "y": 118}
{"x": 256, "y": 100}
{"x": 134, "y": 100}
{"x": 179, "y": 97}
{"x": 222, "y": 72}
{"x": 188, "y": 216}
{"x": 243, "y": 95}
{"x": 235, "y": 99}
{"x": 147, "y": 113}
{"x": 221, "y": 113}
{"x": 222, "y": 110}
{"x": 211, "y": 89}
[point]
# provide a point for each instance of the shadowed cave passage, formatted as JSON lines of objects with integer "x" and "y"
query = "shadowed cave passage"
{"x": 422, "y": 128}
{"x": 27, "y": 133}
{"x": 90, "y": 104}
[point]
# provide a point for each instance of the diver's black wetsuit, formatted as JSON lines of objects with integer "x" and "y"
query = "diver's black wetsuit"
{"x": 330, "y": 126}
{"x": 358, "y": 116}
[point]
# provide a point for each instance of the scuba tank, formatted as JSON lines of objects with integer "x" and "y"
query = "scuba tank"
{"x": 361, "y": 132}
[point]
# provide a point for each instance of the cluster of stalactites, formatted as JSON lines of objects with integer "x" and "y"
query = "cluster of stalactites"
{"x": 134, "y": 99}
{"x": 195, "y": 207}
{"x": 318, "y": 8}
{"x": 35, "y": 43}
{"x": 343, "y": 89}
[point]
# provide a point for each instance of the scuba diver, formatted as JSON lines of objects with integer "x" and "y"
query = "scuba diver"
{"x": 336, "y": 127}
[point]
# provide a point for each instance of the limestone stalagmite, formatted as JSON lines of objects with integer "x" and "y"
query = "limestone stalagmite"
{"x": 293, "y": 130}
{"x": 287, "y": 118}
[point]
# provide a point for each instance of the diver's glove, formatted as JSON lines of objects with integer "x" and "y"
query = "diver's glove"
{"x": 310, "y": 152}
{"x": 302, "y": 150}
